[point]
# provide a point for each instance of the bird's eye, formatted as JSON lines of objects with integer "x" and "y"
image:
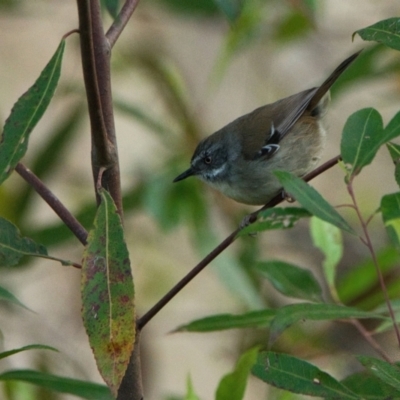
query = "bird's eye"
{"x": 207, "y": 160}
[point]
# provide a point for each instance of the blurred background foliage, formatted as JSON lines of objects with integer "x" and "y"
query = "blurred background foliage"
{"x": 168, "y": 94}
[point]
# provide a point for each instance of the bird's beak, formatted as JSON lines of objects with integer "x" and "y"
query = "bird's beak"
{"x": 184, "y": 175}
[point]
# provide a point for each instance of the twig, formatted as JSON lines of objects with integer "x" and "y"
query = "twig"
{"x": 250, "y": 219}
{"x": 367, "y": 241}
{"x": 49, "y": 197}
{"x": 372, "y": 342}
{"x": 120, "y": 22}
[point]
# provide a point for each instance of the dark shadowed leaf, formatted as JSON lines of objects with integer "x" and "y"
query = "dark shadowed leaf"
{"x": 388, "y": 373}
{"x": 390, "y": 208}
{"x": 311, "y": 200}
{"x": 111, "y": 6}
{"x": 298, "y": 376}
{"x": 107, "y": 294}
{"x": 13, "y": 246}
{"x": 394, "y": 150}
{"x": 370, "y": 387}
{"x": 291, "y": 280}
{"x": 27, "y": 112}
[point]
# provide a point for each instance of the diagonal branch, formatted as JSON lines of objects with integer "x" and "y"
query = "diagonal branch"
{"x": 120, "y": 22}
{"x": 49, "y": 197}
{"x": 250, "y": 219}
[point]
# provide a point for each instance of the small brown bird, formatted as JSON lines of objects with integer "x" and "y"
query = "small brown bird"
{"x": 240, "y": 158}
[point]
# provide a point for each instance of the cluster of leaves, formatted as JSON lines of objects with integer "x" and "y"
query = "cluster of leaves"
{"x": 107, "y": 289}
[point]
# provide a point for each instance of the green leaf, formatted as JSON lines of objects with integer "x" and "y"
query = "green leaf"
{"x": 111, "y": 6}
{"x": 293, "y": 26}
{"x": 13, "y": 246}
{"x": 107, "y": 294}
{"x": 361, "y": 139}
{"x": 246, "y": 28}
{"x": 233, "y": 385}
{"x": 369, "y": 387}
{"x": 231, "y": 8}
{"x": 386, "y": 31}
{"x": 390, "y": 208}
{"x": 328, "y": 239}
{"x": 26, "y": 113}
{"x": 8, "y": 296}
{"x": 83, "y": 389}
{"x": 291, "y": 280}
{"x": 8, "y": 353}
{"x": 298, "y": 376}
{"x": 362, "y": 279}
{"x": 47, "y": 159}
{"x": 276, "y": 218}
{"x": 194, "y": 7}
{"x": 219, "y": 322}
{"x": 394, "y": 150}
{"x": 311, "y": 200}
{"x": 190, "y": 393}
{"x": 288, "y": 315}
{"x": 363, "y": 135}
{"x": 388, "y": 373}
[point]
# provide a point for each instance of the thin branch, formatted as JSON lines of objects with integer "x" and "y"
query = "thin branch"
{"x": 368, "y": 242}
{"x": 95, "y": 54}
{"x": 49, "y": 197}
{"x": 372, "y": 342}
{"x": 120, "y": 22}
{"x": 250, "y": 219}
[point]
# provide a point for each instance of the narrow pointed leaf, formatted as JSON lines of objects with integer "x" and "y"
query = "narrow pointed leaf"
{"x": 190, "y": 392}
{"x": 328, "y": 238}
{"x": 390, "y": 208}
{"x": 276, "y": 218}
{"x": 13, "y": 246}
{"x": 394, "y": 150}
{"x": 27, "y": 112}
{"x": 298, "y": 376}
{"x": 107, "y": 294}
{"x": 83, "y": 389}
{"x": 291, "y": 280}
{"x": 311, "y": 200}
{"x": 9, "y": 353}
{"x": 219, "y": 322}
{"x": 5, "y": 295}
{"x": 288, "y": 315}
{"x": 389, "y": 373}
{"x": 233, "y": 385}
{"x": 386, "y": 32}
